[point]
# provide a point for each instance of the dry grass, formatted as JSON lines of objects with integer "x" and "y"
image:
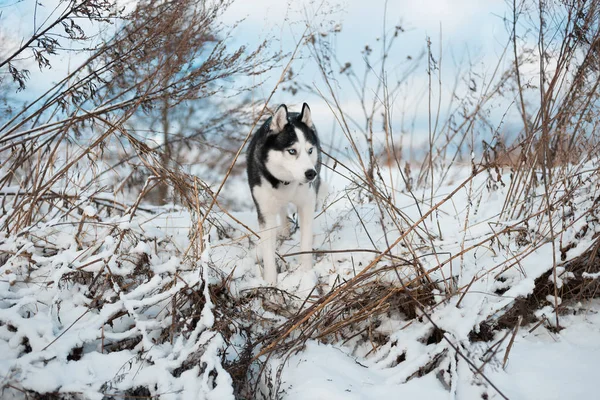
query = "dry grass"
{"x": 58, "y": 149}
{"x": 546, "y": 159}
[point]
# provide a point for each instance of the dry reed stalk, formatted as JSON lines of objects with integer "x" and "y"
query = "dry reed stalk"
{"x": 350, "y": 283}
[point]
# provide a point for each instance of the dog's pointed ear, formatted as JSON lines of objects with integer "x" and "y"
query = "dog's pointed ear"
{"x": 280, "y": 119}
{"x": 305, "y": 116}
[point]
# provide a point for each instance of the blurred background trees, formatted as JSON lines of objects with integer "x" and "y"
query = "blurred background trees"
{"x": 151, "y": 81}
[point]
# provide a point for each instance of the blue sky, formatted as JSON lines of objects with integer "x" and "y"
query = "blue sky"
{"x": 470, "y": 34}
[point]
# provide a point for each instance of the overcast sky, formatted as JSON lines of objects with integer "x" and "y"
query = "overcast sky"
{"x": 468, "y": 32}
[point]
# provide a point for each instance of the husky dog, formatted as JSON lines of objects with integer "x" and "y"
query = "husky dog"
{"x": 284, "y": 160}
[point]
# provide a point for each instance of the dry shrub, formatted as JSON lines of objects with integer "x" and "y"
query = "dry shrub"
{"x": 578, "y": 283}
{"x": 551, "y": 157}
{"x": 131, "y": 75}
{"x": 75, "y": 166}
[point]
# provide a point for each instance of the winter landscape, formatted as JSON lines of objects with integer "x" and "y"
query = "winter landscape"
{"x": 456, "y": 247}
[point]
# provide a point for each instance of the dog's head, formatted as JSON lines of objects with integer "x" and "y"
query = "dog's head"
{"x": 292, "y": 146}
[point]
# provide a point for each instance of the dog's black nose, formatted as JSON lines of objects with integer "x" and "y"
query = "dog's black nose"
{"x": 310, "y": 174}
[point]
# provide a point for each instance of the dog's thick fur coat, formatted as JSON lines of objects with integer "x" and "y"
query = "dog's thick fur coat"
{"x": 284, "y": 161}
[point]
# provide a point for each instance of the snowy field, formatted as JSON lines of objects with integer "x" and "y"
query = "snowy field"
{"x": 456, "y": 254}
{"x": 411, "y": 297}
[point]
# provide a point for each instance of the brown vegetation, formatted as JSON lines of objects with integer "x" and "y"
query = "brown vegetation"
{"x": 164, "y": 64}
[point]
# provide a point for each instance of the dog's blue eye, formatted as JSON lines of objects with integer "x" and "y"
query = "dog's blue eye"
{"x": 292, "y": 152}
{"x": 310, "y": 150}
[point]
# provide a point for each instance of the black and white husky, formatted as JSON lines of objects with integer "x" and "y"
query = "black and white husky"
{"x": 284, "y": 160}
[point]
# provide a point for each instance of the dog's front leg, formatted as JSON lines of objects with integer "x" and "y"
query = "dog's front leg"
{"x": 306, "y": 213}
{"x": 268, "y": 233}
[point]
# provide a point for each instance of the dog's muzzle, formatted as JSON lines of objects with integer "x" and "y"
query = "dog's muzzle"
{"x": 310, "y": 175}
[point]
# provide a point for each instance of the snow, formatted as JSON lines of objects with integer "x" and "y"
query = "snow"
{"x": 124, "y": 304}
{"x": 325, "y": 372}
{"x": 90, "y": 211}
{"x": 555, "y": 366}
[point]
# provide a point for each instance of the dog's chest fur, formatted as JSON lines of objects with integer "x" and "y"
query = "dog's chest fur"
{"x": 273, "y": 198}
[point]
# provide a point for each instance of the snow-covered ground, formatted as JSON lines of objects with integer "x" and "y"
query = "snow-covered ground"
{"x": 115, "y": 306}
